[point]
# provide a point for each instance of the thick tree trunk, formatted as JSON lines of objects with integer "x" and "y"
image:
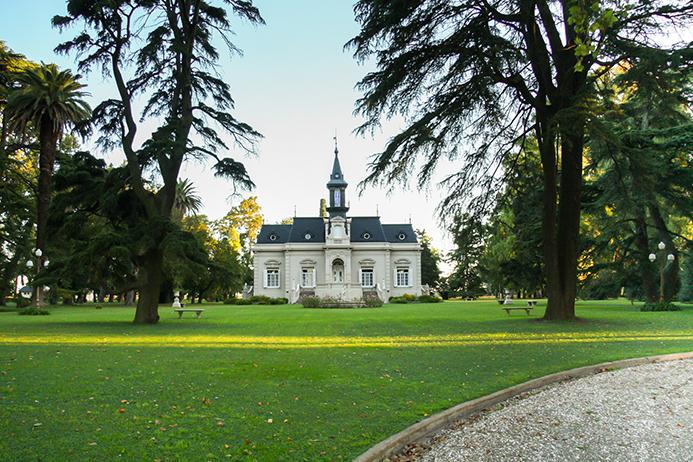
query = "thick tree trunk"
{"x": 48, "y": 138}
{"x": 561, "y": 221}
{"x": 147, "y": 311}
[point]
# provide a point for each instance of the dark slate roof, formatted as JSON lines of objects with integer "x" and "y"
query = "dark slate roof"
{"x": 304, "y": 226}
{"x": 280, "y": 231}
{"x": 360, "y": 226}
{"x": 394, "y": 232}
{"x": 337, "y": 177}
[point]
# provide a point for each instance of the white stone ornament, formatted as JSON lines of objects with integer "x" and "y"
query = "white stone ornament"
{"x": 176, "y": 302}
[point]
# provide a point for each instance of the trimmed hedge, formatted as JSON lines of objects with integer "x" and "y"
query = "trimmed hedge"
{"x": 257, "y": 300}
{"x": 331, "y": 302}
{"x": 409, "y": 298}
{"x": 33, "y": 311}
{"x": 660, "y": 306}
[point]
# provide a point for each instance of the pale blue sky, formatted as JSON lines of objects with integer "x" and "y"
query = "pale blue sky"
{"x": 294, "y": 84}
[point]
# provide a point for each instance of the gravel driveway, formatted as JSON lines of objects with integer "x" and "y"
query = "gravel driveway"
{"x": 642, "y": 413}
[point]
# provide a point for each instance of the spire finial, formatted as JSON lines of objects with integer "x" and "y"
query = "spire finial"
{"x": 336, "y": 151}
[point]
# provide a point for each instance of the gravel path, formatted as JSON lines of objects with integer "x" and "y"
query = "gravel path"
{"x": 642, "y": 413}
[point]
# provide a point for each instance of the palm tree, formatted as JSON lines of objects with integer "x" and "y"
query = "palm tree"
{"x": 49, "y": 100}
{"x": 187, "y": 200}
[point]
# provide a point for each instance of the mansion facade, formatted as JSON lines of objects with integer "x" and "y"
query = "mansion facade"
{"x": 337, "y": 256}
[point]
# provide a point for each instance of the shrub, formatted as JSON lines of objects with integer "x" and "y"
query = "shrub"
{"x": 242, "y": 301}
{"x": 372, "y": 301}
{"x": 33, "y": 311}
{"x": 260, "y": 299}
{"x": 98, "y": 307}
{"x": 310, "y": 301}
{"x": 660, "y": 306}
{"x": 429, "y": 299}
{"x": 22, "y": 302}
{"x": 409, "y": 297}
{"x": 398, "y": 300}
{"x": 279, "y": 301}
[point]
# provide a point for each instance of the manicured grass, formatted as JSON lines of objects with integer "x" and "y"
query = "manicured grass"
{"x": 281, "y": 382}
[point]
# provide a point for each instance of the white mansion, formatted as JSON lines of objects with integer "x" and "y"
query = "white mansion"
{"x": 337, "y": 256}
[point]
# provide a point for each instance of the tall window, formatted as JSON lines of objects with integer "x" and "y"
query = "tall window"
{"x": 367, "y": 277}
{"x": 308, "y": 277}
{"x": 272, "y": 278}
{"x": 337, "y": 198}
{"x": 402, "y": 279}
{"x": 338, "y": 271}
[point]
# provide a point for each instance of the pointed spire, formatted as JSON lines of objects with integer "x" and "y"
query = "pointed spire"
{"x": 336, "y": 178}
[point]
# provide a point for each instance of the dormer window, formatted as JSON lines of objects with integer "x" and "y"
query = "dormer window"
{"x": 272, "y": 237}
{"x": 366, "y": 236}
{"x": 401, "y": 236}
{"x": 308, "y": 236}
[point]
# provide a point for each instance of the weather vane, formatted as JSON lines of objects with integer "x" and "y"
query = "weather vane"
{"x": 335, "y": 141}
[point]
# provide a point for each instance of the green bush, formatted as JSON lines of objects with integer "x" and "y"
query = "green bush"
{"x": 22, "y": 302}
{"x": 409, "y": 297}
{"x": 310, "y": 302}
{"x": 260, "y": 299}
{"x": 33, "y": 311}
{"x": 279, "y": 301}
{"x": 372, "y": 301}
{"x": 242, "y": 301}
{"x": 660, "y": 306}
{"x": 401, "y": 300}
{"x": 429, "y": 299}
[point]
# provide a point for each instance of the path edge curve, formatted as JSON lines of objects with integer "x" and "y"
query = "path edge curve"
{"x": 429, "y": 425}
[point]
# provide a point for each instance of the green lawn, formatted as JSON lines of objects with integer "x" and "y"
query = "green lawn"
{"x": 281, "y": 382}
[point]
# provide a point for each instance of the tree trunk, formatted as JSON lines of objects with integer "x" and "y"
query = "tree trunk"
{"x": 647, "y": 275}
{"x": 129, "y": 298}
{"x": 147, "y": 311}
{"x": 561, "y": 220}
{"x": 48, "y": 138}
{"x": 166, "y": 294}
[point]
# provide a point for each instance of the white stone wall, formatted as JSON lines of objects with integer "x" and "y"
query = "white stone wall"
{"x": 260, "y": 262}
{"x": 382, "y": 257}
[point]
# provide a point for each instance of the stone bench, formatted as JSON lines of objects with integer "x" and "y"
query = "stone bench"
{"x": 197, "y": 311}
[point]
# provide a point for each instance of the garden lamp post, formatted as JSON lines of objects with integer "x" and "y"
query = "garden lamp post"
{"x": 39, "y": 263}
{"x": 663, "y": 261}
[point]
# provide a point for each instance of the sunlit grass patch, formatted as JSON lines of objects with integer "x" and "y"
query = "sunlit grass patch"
{"x": 240, "y": 341}
{"x": 281, "y": 383}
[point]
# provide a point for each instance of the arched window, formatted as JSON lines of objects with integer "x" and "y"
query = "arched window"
{"x": 338, "y": 271}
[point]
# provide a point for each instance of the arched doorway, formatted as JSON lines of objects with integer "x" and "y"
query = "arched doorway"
{"x": 338, "y": 271}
